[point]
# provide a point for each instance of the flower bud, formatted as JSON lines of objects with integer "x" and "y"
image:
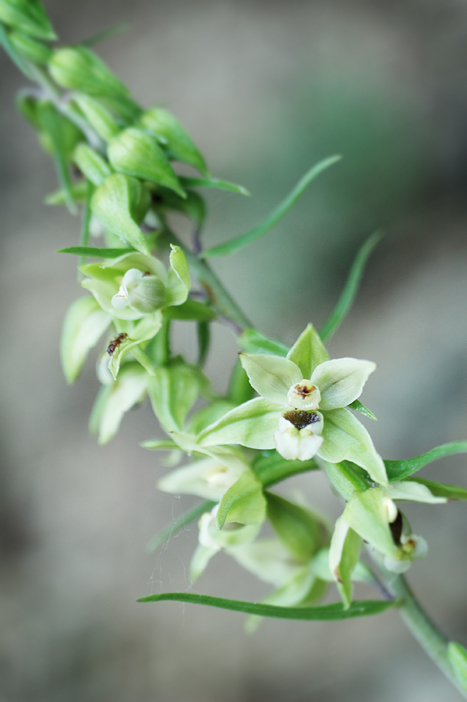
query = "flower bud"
{"x": 91, "y": 164}
{"x": 163, "y": 125}
{"x": 98, "y": 116}
{"x": 33, "y": 50}
{"x": 120, "y": 203}
{"x": 28, "y": 16}
{"x": 141, "y": 292}
{"x": 78, "y": 68}
{"x": 137, "y": 154}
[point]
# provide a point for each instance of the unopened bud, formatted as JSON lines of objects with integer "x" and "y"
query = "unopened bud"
{"x": 98, "y": 116}
{"x": 163, "y": 125}
{"x": 27, "y": 16}
{"x": 120, "y": 203}
{"x": 141, "y": 292}
{"x": 33, "y": 50}
{"x": 137, "y": 154}
{"x": 91, "y": 164}
{"x": 79, "y": 68}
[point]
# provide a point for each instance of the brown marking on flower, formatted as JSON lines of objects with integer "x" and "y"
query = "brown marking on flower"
{"x": 301, "y": 419}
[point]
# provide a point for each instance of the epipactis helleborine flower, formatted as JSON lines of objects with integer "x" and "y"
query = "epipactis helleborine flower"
{"x": 302, "y": 409}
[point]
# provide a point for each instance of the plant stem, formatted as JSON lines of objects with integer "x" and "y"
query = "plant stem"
{"x": 215, "y": 290}
{"x": 423, "y": 629}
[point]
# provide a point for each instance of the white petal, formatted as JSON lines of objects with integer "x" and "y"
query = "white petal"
{"x": 296, "y": 444}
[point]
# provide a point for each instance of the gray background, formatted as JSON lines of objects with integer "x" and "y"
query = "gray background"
{"x": 265, "y": 89}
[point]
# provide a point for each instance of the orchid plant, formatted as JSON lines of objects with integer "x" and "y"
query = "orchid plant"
{"x": 115, "y": 163}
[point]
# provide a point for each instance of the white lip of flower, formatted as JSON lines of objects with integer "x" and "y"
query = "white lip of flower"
{"x": 142, "y": 291}
{"x": 298, "y": 444}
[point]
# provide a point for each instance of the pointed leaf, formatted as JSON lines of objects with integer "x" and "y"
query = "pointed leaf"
{"x": 349, "y": 293}
{"x": 358, "y": 407}
{"x": 212, "y": 183}
{"x": 253, "y": 341}
{"x": 28, "y": 16}
{"x": 331, "y": 612}
{"x": 397, "y": 470}
{"x": 244, "y": 502}
{"x": 308, "y": 351}
{"x": 345, "y": 480}
{"x": 276, "y": 215}
{"x": 95, "y": 251}
{"x": 450, "y": 492}
{"x": 414, "y": 491}
{"x": 178, "y": 524}
{"x": 14, "y": 55}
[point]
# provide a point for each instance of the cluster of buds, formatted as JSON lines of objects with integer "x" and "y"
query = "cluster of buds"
{"x": 117, "y": 160}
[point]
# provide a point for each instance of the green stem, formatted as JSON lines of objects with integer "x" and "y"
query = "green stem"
{"x": 423, "y": 629}
{"x": 215, "y": 290}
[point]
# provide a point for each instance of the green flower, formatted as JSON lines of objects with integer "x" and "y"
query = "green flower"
{"x": 302, "y": 409}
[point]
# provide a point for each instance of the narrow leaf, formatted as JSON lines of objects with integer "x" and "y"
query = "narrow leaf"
{"x": 451, "y": 492}
{"x": 350, "y": 290}
{"x": 397, "y": 470}
{"x": 179, "y": 524}
{"x": 331, "y": 612}
{"x": 212, "y": 183}
{"x": 358, "y": 407}
{"x": 95, "y": 251}
{"x": 276, "y": 215}
{"x": 106, "y": 34}
{"x": 252, "y": 341}
{"x": 13, "y": 54}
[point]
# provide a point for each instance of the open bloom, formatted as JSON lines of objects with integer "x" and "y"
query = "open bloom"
{"x": 302, "y": 409}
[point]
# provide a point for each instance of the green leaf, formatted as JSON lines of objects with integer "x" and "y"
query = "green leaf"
{"x": 276, "y": 215}
{"x": 31, "y": 49}
{"x": 270, "y": 468}
{"x": 350, "y": 290}
{"x": 212, "y": 183}
{"x": 450, "y": 492}
{"x": 159, "y": 445}
{"x": 62, "y": 137}
{"x": 178, "y": 524}
{"x": 331, "y": 612}
{"x": 457, "y": 655}
{"x": 95, "y": 251}
{"x": 244, "y": 502}
{"x": 106, "y": 34}
{"x": 365, "y": 513}
{"x": 397, "y": 470}
{"x": 295, "y": 526}
{"x": 59, "y": 197}
{"x": 27, "y": 16}
{"x": 253, "y": 341}
{"x": 203, "y": 334}
{"x": 13, "y": 53}
{"x": 344, "y": 479}
{"x": 359, "y": 407}
{"x": 173, "y": 392}
{"x": 343, "y": 558}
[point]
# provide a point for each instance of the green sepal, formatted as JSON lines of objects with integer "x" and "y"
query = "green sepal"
{"x": 350, "y": 290}
{"x": 398, "y": 470}
{"x": 270, "y": 468}
{"x": 330, "y": 612}
{"x": 91, "y": 164}
{"x": 136, "y": 153}
{"x": 137, "y": 332}
{"x": 59, "y": 137}
{"x": 296, "y": 527}
{"x": 95, "y": 251}
{"x": 240, "y": 389}
{"x": 79, "y": 68}
{"x": 174, "y": 139}
{"x": 115, "y": 400}
{"x": 359, "y": 407}
{"x": 32, "y": 50}
{"x": 159, "y": 445}
{"x": 244, "y": 502}
{"x": 252, "y": 341}
{"x": 178, "y": 281}
{"x": 173, "y": 392}
{"x": 271, "y": 376}
{"x": 27, "y": 16}
{"x": 252, "y": 424}
{"x": 120, "y": 204}
{"x": 98, "y": 116}
{"x": 215, "y": 183}
{"x": 346, "y": 439}
{"x": 84, "y": 324}
{"x": 191, "y": 310}
{"x": 366, "y": 515}
{"x": 345, "y": 480}
{"x": 276, "y": 215}
{"x": 457, "y": 655}
{"x": 308, "y": 351}
{"x": 450, "y": 492}
{"x": 344, "y": 553}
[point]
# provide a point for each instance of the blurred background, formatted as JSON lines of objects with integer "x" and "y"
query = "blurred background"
{"x": 265, "y": 89}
